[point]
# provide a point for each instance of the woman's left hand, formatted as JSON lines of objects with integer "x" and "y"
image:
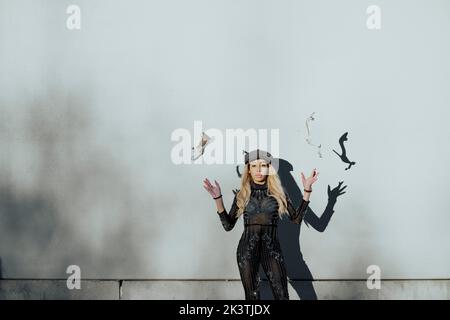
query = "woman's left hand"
{"x": 308, "y": 182}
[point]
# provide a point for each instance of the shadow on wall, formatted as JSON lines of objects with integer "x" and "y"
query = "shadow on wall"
{"x": 29, "y": 222}
{"x": 289, "y": 236}
{"x": 65, "y": 181}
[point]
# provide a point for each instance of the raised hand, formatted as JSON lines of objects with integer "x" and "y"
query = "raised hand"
{"x": 214, "y": 190}
{"x": 308, "y": 182}
{"x": 336, "y": 191}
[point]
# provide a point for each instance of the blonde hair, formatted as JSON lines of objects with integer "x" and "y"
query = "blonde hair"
{"x": 274, "y": 187}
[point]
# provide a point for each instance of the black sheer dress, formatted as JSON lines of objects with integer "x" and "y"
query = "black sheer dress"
{"x": 259, "y": 243}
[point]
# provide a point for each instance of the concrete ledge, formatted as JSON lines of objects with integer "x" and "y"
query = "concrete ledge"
{"x": 298, "y": 290}
{"x": 57, "y": 290}
{"x": 221, "y": 289}
{"x": 188, "y": 289}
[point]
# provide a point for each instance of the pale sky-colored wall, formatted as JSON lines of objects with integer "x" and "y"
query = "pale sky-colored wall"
{"x": 86, "y": 176}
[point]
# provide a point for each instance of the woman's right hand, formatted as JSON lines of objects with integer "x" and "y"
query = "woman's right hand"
{"x": 214, "y": 190}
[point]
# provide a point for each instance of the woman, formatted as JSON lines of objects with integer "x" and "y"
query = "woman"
{"x": 262, "y": 201}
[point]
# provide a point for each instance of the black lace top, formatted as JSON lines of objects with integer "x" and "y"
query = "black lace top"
{"x": 262, "y": 209}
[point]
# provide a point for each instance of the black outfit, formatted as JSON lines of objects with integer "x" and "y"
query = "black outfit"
{"x": 259, "y": 242}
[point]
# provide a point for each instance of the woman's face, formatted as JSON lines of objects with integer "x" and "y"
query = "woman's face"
{"x": 259, "y": 170}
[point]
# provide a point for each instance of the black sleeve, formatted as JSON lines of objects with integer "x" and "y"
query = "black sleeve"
{"x": 296, "y": 215}
{"x": 229, "y": 219}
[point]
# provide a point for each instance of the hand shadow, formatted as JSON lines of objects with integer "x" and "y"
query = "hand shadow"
{"x": 289, "y": 236}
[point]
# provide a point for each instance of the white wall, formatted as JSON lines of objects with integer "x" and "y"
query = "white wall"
{"x": 86, "y": 176}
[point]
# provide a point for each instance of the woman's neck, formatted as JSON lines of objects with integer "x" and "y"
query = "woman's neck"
{"x": 258, "y": 185}
{"x": 260, "y": 182}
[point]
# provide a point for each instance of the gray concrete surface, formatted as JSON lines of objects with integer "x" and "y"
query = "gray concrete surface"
{"x": 57, "y": 289}
{"x": 217, "y": 289}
